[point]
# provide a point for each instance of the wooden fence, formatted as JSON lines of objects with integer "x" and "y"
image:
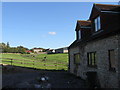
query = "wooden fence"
{"x": 34, "y": 63}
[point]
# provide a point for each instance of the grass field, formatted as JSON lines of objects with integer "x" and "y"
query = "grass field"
{"x": 52, "y": 61}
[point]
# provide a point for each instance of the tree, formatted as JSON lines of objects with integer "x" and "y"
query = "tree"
{"x": 3, "y": 47}
{"x": 31, "y": 50}
{"x": 22, "y": 49}
{"x": 8, "y": 45}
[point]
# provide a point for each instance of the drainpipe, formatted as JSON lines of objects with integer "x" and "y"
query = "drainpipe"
{"x": 118, "y": 62}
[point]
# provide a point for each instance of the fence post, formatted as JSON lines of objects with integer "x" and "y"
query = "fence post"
{"x": 11, "y": 62}
{"x": 33, "y": 63}
{"x": 21, "y": 61}
{"x": 45, "y": 64}
{"x": 56, "y": 65}
{"x": 24, "y": 63}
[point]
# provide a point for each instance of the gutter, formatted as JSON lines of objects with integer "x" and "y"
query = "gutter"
{"x": 110, "y": 12}
{"x": 85, "y": 27}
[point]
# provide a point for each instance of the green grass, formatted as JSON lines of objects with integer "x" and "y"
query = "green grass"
{"x": 53, "y": 61}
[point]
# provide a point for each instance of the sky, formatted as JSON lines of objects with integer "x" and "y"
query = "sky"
{"x": 43, "y": 24}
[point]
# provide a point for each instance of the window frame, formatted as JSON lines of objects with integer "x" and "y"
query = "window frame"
{"x": 91, "y": 59}
{"x": 75, "y": 58}
{"x": 110, "y": 66}
{"x": 97, "y": 22}
{"x": 79, "y": 34}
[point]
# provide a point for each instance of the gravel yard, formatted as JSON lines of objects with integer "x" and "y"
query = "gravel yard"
{"x": 18, "y": 77}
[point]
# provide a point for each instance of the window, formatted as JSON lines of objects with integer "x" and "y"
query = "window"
{"x": 97, "y": 23}
{"x": 79, "y": 34}
{"x": 112, "y": 63}
{"x": 91, "y": 59}
{"x": 77, "y": 58}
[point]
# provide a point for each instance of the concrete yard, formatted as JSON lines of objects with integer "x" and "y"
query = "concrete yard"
{"x": 19, "y": 77}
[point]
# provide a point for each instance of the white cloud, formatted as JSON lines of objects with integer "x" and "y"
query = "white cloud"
{"x": 52, "y": 33}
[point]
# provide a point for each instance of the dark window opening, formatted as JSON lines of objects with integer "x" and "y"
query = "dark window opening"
{"x": 112, "y": 61}
{"x": 77, "y": 58}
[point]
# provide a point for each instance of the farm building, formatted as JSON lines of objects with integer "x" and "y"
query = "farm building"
{"x": 95, "y": 53}
{"x": 28, "y": 51}
{"x": 37, "y": 50}
{"x": 62, "y": 50}
{"x": 50, "y": 51}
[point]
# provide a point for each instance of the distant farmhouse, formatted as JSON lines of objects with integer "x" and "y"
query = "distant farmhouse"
{"x": 62, "y": 50}
{"x": 50, "y": 51}
{"x": 37, "y": 50}
{"x": 59, "y": 50}
{"x": 95, "y": 54}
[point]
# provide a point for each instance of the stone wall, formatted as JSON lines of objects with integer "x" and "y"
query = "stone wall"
{"x": 71, "y": 58}
{"x": 107, "y": 78}
{"x": 119, "y": 58}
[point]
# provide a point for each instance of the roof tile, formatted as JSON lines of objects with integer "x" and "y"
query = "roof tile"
{"x": 107, "y": 6}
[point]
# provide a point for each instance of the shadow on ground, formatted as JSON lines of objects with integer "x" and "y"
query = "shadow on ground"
{"x": 20, "y": 77}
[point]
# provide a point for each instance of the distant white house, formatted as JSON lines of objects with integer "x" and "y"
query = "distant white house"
{"x": 59, "y": 50}
{"x": 37, "y": 50}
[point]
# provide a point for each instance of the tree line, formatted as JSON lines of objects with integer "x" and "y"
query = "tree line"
{"x": 5, "y": 48}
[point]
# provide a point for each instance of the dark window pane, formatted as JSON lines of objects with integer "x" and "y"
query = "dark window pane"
{"x": 77, "y": 58}
{"x": 89, "y": 62}
{"x": 112, "y": 59}
{"x": 95, "y": 59}
{"x": 92, "y": 58}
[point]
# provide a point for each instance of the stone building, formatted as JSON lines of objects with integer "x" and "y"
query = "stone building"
{"x": 95, "y": 53}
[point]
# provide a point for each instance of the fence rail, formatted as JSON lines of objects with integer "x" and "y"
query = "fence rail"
{"x": 34, "y": 63}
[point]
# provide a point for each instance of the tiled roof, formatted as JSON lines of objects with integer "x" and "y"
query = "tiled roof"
{"x": 102, "y": 34}
{"x": 107, "y": 6}
{"x": 84, "y": 23}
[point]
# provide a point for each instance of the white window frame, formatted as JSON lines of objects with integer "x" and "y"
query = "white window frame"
{"x": 79, "y": 34}
{"x": 97, "y": 24}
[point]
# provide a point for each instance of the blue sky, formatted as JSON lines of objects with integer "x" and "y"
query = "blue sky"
{"x": 42, "y": 24}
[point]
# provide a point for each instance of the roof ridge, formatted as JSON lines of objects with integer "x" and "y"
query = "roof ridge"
{"x": 84, "y": 20}
{"x": 106, "y": 4}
